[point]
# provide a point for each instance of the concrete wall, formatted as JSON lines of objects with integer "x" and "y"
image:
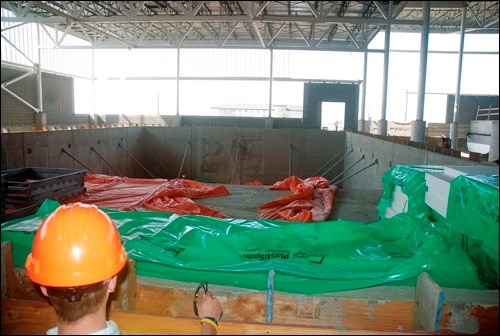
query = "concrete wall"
{"x": 387, "y": 153}
{"x": 94, "y": 150}
{"x": 239, "y": 155}
{"x": 218, "y": 154}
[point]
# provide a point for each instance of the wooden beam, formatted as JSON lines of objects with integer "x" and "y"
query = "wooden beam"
{"x": 124, "y": 296}
{"x": 429, "y": 299}
{"x": 26, "y": 317}
{"x": 7, "y": 271}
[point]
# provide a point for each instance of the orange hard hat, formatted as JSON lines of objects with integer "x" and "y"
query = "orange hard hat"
{"x": 76, "y": 245}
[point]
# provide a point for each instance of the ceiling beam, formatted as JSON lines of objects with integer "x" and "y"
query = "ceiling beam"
{"x": 219, "y": 18}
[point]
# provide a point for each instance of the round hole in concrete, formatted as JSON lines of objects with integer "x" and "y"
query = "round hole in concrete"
{"x": 69, "y": 145}
{"x": 98, "y": 142}
{"x": 28, "y": 150}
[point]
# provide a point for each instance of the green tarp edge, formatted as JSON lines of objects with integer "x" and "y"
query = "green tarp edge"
{"x": 472, "y": 212}
{"x": 308, "y": 258}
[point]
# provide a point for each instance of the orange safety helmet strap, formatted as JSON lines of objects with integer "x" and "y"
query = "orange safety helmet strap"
{"x": 76, "y": 245}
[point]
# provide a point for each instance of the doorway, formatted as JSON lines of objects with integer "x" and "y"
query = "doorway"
{"x": 317, "y": 93}
{"x": 333, "y": 116}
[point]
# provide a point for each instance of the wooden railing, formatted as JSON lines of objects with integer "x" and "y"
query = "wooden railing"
{"x": 491, "y": 111}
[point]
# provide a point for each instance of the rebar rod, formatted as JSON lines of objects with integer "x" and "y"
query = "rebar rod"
{"x": 184, "y": 158}
{"x": 290, "y": 149}
{"x": 323, "y": 166}
{"x": 337, "y": 162}
{"x": 154, "y": 157}
{"x": 71, "y": 156}
{"x": 359, "y": 171}
{"x": 133, "y": 158}
{"x": 110, "y": 166}
{"x": 346, "y": 170}
{"x": 235, "y": 162}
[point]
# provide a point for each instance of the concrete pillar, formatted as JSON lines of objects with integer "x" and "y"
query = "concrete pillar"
{"x": 456, "y": 106}
{"x": 177, "y": 79}
{"x": 382, "y": 127}
{"x": 361, "y": 120}
{"x": 493, "y": 154}
{"x": 417, "y": 131}
{"x": 269, "y": 114}
{"x": 423, "y": 60}
{"x": 454, "y": 134}
{"x": 385, "y": 81}
{"x": 269, "y": 122}
{"x": 40, "y": 120}
{"x": 361, "y": 125}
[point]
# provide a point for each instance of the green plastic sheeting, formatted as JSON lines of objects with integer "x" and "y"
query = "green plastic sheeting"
{"x": 411, "y": 179}
{"x": 471, "y": 218}
{"x": 308, "y": 258}
{"x": 473, "y": 210}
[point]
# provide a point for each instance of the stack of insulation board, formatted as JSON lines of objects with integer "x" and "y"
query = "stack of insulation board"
{"x": 438, "y": 184}
{"x": 399, "y": 203}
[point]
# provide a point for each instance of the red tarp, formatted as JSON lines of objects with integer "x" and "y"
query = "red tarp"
{"x": 311, "y": 201}
{"x": 127, "y": 194}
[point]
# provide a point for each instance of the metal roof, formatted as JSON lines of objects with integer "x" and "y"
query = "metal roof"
{"x": 321, "y": 25}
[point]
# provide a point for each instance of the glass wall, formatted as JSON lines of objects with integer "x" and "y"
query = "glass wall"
{"x": 239, "y": 82}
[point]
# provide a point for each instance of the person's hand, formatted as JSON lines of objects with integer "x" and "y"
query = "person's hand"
{"x": 209, "y": 307}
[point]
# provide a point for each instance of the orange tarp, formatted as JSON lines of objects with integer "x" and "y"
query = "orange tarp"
{"x": 311, "y": 201}
{"x": 127, "y": 194}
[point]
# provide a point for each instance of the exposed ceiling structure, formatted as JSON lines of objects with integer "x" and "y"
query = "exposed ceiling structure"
{"x": 321, "y": 25}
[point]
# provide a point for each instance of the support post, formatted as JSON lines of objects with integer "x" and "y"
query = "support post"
{"x": 418, "y": 125}
{"x": 456, "y": 105}
{"x": 428, "y": 304}
{"x": 269, "y": 299}
{"x": 8, "y": 275}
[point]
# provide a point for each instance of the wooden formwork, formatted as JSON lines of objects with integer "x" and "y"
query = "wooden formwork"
{"x": 143, "y": 305}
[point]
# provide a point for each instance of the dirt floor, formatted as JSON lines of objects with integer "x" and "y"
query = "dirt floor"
{"x": 244, "y": 202}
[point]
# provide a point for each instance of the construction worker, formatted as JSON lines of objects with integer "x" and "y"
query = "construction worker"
{"x": 75, "y": 258}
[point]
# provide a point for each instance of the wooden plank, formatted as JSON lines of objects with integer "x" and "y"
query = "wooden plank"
{"x": 173, "y": 298}
{"x": 471, "y": 311}
{"x": 384, "y": 308}
{"x": 26, "y": 317}
{"x": 387, "y": 313}
{"x": 7, "y": 271}
{"x": 124, "y": 296}
{"x": 428, "y": 304}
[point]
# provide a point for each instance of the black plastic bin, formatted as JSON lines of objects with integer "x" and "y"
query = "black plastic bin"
{"x": 24, "y": 189}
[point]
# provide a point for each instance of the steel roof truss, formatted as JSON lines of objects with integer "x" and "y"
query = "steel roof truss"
{"x": 302, "y": 35}
{"x": 351, "y": 36}
{"x": 232, "y": 30}
{"x": 276, "y": 34}
{"x": 329, "y": 9}
{"x": 186, "y": 33}
{"x": 325, "y": 34}
{"x": 313, "y": 10}
{"x": 211, "y": 30}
